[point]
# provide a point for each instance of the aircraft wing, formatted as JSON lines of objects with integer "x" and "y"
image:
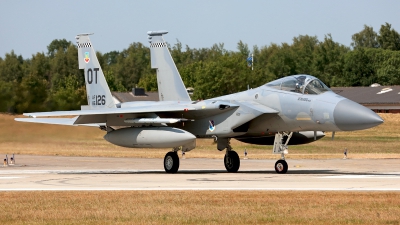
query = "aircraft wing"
{"x": 258, "y": 108}
{"x": 122, "y": 116}
{"x": 57, "y": 121}
{"x": 141, "y": 109}
{"x": 249, "y": 110}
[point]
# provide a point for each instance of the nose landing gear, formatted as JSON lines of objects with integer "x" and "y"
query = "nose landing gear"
{"x": 281, "y": 165}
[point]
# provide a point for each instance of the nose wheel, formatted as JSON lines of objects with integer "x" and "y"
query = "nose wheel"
{"x": 171, "y": 162}
{"x": 281, "y": 166}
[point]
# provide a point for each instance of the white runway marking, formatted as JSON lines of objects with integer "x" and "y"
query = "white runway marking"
{"x": 4, "y": 178}
{"x": 362, "y": 176}
{"x": 9, "y": 172}
{"x": 201, "y": 189}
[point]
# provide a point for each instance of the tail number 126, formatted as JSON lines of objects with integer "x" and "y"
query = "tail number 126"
{"x": 98, "y": 100}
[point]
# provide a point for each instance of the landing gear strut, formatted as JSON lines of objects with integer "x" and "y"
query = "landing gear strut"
{"x": 231, "y": 159}
{"x": 171, "y": 162}
{"x": 281, "y": 165}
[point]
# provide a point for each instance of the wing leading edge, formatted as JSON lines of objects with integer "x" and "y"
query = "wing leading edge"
{"x": 57, "y": 121}
{"x": 164, "y": 108}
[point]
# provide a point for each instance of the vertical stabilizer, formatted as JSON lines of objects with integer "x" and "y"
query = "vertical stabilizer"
{"x": 98, "y": 92}
{"x": 169, "y": 81}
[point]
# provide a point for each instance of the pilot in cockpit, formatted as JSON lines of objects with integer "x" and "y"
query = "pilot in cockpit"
{"x": 298, "y": 90}
{"x": 300, "y": 83}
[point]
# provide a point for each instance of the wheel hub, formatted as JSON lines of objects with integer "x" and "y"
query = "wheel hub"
{"x": 169, "y": 162}
{"x": 229, "y": 162}
{"x": 279, "y": 167}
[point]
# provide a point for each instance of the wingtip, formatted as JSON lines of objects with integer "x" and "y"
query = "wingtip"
{"x": 29, "y": 115}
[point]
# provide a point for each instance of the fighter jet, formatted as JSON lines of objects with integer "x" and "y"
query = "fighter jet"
{"x": 291, "y": 110}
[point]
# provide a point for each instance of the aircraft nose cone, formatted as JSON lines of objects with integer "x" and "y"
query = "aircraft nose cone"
{"x": 349, "y": 115}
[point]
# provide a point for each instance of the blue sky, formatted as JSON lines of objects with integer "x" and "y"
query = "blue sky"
{"x": 27, "y": 27}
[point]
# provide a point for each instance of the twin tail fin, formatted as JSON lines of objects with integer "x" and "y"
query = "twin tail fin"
{"x": 98, "y": 93}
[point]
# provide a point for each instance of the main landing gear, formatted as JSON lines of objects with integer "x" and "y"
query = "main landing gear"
{"x": 171, "y": 162}
{"x": 281, "y": 165}
{"x": 231, "y": 159}
{"x": 171, "y": 159}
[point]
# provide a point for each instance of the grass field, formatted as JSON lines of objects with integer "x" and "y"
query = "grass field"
{"x": 199, "y": 207}
{"x": 41, "y": 139}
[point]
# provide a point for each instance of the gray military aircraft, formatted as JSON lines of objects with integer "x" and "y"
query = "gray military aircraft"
{"x": 291, "y": 110}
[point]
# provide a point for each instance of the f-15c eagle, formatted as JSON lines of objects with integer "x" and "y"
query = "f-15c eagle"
{"x": 291, "y": 110}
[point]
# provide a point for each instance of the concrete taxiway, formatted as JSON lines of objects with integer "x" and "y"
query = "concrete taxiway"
{"x": 99, "y": 173}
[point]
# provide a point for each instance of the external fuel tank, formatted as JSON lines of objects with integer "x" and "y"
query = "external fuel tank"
{"x": 151, "y": 137}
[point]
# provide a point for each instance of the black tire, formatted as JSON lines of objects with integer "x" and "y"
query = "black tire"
{"x": 171, "y": 162}
{"x": 232, "y": 161}
{"x": 281, "y": 166}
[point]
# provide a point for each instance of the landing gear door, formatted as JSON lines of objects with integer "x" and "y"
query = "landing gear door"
{"x": 277, "y": 144}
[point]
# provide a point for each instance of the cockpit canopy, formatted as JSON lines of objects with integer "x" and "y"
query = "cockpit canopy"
{"x": 304, "y": 84}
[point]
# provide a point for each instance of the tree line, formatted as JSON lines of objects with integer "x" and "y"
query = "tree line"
{"x": 52, "y": 80}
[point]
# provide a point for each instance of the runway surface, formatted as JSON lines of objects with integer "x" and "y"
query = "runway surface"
{"x": 99, "y": 173}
